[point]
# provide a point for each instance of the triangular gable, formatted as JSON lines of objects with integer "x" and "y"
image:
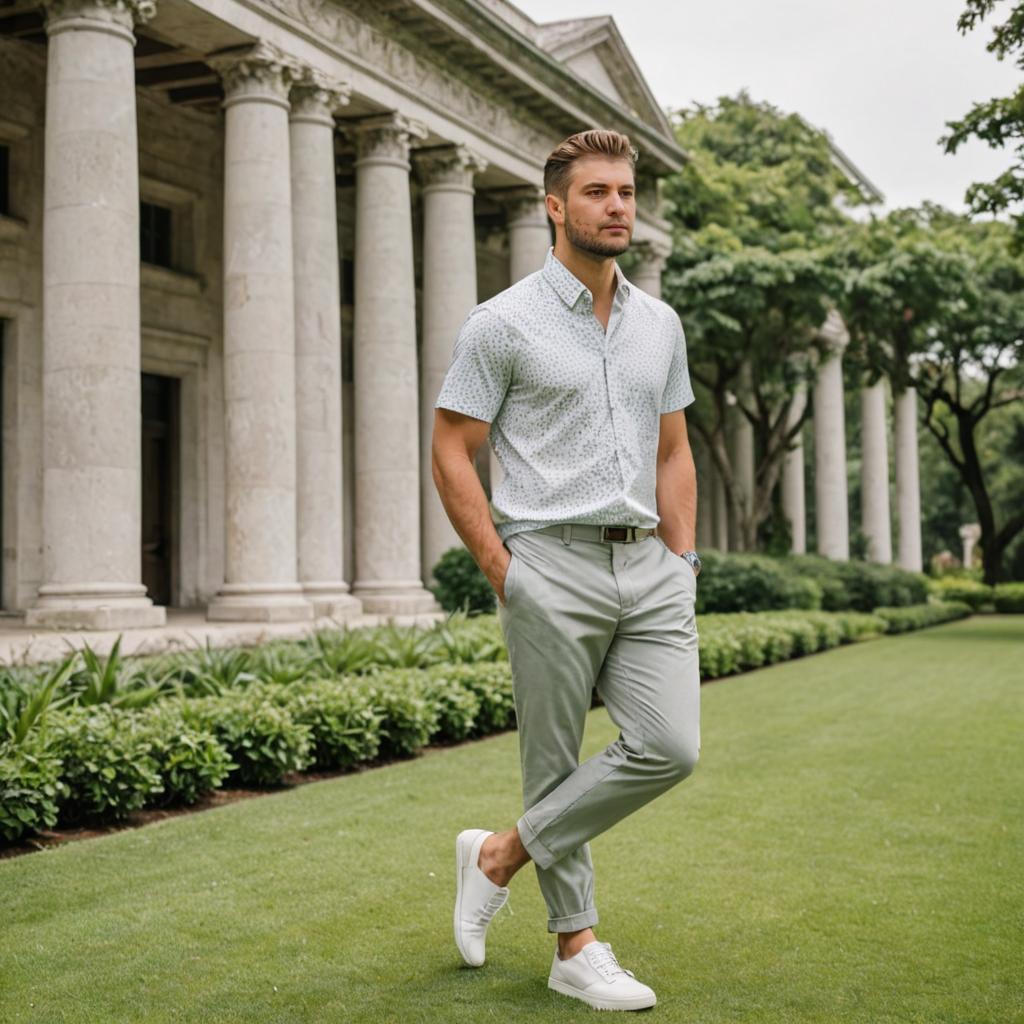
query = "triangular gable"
{"x": 594, "y": 49}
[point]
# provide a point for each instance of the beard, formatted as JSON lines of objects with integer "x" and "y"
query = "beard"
{"x": 592, "y": 243}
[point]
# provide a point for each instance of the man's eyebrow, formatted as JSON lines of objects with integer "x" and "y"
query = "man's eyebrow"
{"x": 604, "y": 184}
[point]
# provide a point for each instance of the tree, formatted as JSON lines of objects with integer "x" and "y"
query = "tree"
{"x": 936, "y": 301}
{"x": 754, "y": 211}
{"x": 999, "y": 122}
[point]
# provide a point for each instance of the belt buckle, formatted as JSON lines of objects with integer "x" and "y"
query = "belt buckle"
{"x": 623, "y": 534}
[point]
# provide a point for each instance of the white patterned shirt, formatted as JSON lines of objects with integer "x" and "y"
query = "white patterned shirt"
{"x": 574, "y": 408}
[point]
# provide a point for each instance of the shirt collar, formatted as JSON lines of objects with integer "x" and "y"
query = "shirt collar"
{"x": 569, "y": 287}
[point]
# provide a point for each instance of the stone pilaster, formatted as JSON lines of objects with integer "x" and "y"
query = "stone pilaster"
{"x": 874, "y": 474}
{"x": 832, "y": 518}
{"x": 387, "y": 451}
{"x": 646, "y": 275}
{"x": 908, "y": 486}
{"x": 317, "y": 345}
{"x": 92, "y": 459}
{"x": 260, "y": 580}
{"x": 449, "y": 293}
{"x": 794, "y": 502}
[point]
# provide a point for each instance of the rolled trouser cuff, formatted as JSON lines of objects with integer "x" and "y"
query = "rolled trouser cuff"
{"x": 574, "y": 922}
{"x": 539, "y": 853}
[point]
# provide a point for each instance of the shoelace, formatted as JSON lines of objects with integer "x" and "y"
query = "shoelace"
{"x": 605, "y": 962}
{"x": 493, "y": 905}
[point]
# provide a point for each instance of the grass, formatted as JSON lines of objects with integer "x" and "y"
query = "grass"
{"x": 851, "y": 848}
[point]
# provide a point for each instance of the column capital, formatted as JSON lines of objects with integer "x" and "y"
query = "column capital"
{"x": 386, "y": 139}
{"x": 118, "y": 17}
{"x": 449, "y": 167}
{"x": 652, "y": 254}
{"x": 259, "y": 72}
{"x": 524, "y": 204}
{"x": 315, "y": 96}
{"x": 833, "y": 336}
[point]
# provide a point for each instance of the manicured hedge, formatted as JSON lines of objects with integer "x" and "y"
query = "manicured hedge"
{"x": 262, "y": 722}
{"x": 1009, "y": 597}
{"x": 962, "y": 589}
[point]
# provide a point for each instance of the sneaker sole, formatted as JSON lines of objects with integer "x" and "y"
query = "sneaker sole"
{"x": 463, "y": 851}
{"x": 636, "y": 1003}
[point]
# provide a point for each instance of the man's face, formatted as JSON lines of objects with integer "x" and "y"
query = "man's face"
{"x": 600, "y": 208}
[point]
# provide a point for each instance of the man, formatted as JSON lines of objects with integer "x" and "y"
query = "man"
{"x": 580, "y": 380}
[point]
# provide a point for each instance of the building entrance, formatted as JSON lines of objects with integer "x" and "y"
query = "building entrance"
{"x": 160, "y": 406}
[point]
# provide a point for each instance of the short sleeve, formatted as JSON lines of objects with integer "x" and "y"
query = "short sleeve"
{"x": 481, "y": 368}
{"x": 678, "y": 393}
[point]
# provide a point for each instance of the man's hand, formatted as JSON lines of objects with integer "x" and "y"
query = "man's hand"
{"x": 496, "y": 573}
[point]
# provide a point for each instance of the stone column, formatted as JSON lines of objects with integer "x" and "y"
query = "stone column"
{"x": 874, "y": 474}
{"x": 794, "y": 503}
{"x": 92, "y": 445}
{"x": 832, "y": 516}
{"x": 260, "y": 580}
{"x": 317, "y": 346}
{"x": 387, "y": 450}
{"x": 646, "y": 275}
{"x": 449, "y": 293}
{"x": 529, "y": 231}
{"x": 908, "y": 487}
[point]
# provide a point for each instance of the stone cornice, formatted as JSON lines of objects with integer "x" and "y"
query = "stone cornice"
{"x": 397, "y": 53}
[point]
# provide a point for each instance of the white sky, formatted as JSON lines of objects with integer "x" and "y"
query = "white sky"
{"x": 882, "y": 76}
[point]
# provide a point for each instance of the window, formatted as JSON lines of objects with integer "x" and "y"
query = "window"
{"x": 155, "y": 230}
{"x": 5, "y": 180}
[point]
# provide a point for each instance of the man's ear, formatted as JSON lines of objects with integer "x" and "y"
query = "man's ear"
{"x": 556, "y": 208}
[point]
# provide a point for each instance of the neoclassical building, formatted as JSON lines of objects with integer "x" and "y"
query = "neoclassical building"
{"x": 237, "y": 241}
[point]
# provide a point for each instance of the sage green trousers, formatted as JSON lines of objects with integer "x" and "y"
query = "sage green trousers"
{"x": 619, "y": 617}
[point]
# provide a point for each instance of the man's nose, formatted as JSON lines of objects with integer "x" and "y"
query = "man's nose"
{"x": 616, "y": 204}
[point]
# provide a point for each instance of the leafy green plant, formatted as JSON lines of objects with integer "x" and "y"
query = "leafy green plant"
{"x": 338, "y": 652}
{"x": 971, "y": 592}
{"x": 111, "y": 681}
{"x": 408, "y": 718}
{"x": 107, "y": 766}
{"x": 25, "y": 701}
{"x": 30, "y": 788}
{"x": 280, "y": 663}
{"x": 210, "y": 671}
{"x": 491, "y": 684}
{"x": 465, "y": 639}
{"x": 457, "y": 707}
{"x": 342, "y": 717}
{"x": 261, "y": 737}
{"x": 405, "y": 647}
{"x": 189, "y": 759}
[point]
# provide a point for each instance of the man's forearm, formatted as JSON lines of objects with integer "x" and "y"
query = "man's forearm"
{"x": 677, "y": 500}
{"x": 463, "y": 498}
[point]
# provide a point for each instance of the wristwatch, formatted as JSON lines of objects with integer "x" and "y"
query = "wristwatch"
{"x": 694, "y": 559}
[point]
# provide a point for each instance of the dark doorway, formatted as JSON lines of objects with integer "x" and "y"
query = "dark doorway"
{"x": 159, "y": 485}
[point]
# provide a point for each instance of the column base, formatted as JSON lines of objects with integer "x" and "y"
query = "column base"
{"x": 260, "y": 602}
{"x": 388, "y": 597}
{"x": 94, "y": 606}
{"x": 332, "y": 600}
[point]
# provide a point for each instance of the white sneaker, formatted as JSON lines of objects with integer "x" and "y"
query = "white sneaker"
{"x": 477, "y": 898}
{"x": 595, "y": 976}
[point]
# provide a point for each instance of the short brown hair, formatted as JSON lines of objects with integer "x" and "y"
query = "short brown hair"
{"x": 595, "y": 142}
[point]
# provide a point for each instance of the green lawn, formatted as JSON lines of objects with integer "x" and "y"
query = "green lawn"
{"x": 851, "y": 848}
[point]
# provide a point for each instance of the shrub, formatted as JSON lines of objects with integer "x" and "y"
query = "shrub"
{"x": 953, "y": 588}
{"x": 751, "y": 583}
{"x": 491, "y": 684}
{"x": 338, "y": 652}
{"x": 860, "y": 586}
{"x": 189, "y": 759}
{"x": 31, "y": 789}
{"x": 462, "y": 638}
{"x": 261, "y": 737}
{"x": 457, "y": 707}
{"x": 408, "y": 718}
{"x": 902, "y": 620}
{"x": 107, "y": 766}
{"x": 460, "y": 583}
{"x": 343, "y": 721}
{"x": 1009, "y": 597}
